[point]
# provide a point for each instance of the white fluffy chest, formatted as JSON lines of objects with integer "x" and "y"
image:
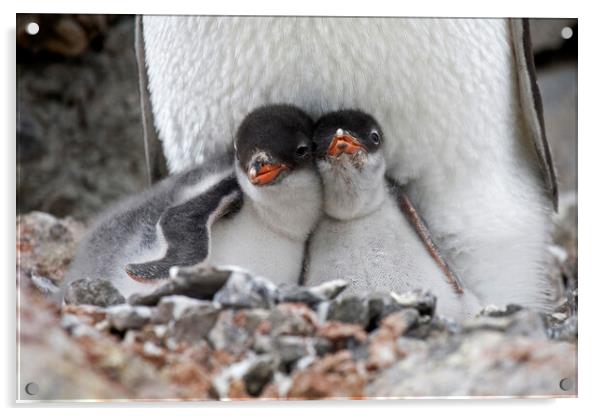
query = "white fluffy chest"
{"x": 245, "y": 241}
{"x": 379, "y": 252}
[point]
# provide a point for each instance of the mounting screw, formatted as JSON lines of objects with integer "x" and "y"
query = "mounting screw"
{"x": 566, "y": 384}
{"x": 32, "y": 389}
{"x": 32, "y": 28}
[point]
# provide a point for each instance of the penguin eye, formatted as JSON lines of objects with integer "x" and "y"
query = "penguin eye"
{"x": 375, "y": 137}
{"x": 302, "y": 151}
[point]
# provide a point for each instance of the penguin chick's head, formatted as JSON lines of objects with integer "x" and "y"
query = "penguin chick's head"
{"x": 349, "y": 157}
{"x": 273, "y": 141}
{"x": 347, "y": 136}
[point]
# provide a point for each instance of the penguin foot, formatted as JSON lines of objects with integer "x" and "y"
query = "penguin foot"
{"x": 149, "y": 273}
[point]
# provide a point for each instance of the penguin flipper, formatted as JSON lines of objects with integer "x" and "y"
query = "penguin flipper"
{"x": 531, "y": 104}
{"x": 186, "y": 229}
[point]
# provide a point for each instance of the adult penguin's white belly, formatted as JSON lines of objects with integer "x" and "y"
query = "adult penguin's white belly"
{"x": 448, "y": 94}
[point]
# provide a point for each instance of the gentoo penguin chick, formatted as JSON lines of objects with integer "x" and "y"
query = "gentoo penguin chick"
{"x": 363, "y": 236}
{"x": 255, "y": 212}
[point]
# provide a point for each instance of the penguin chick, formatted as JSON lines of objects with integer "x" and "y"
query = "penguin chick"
{"x": 255, "y": 210}
{"x": 363, "y": 236}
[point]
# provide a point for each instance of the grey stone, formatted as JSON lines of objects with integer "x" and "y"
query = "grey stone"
{"x": 485, "y": 363}
{"x": 234, "y": 330}
{"x": 329, "y": 290}
{"x": 258, "y": 375}
{"x": 287, "y": 322}
{"x": 291, "y": 348}
{"x": 380, "y": 305}
{"x": 496, "y": 311}
{"x": 99, "y": 292}
{"x": 198, "y": 283}
{"x": 194, "y": 323}
{"x": 423, "y": 301}
{"x": 45, "y": 285}
{"x": 524, "y": 322}
{"x": 124, "y": 317}
{"x": 322, "y": 346}
{"x": 294, "y": 293}
{"x": 565, "y": 330}
{"x": 351, "y": 310}
{"x": 173, "y": 307}
{"x": 243, "y": 290}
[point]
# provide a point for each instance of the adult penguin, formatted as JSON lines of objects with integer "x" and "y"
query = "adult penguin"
{"x": 458, "y": 97}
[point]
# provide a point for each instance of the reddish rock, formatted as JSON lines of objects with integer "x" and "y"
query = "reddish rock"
{"x": 340, "y": 334}
{"x": 383, "y": 350}
{"x": 292, "y": 319}
{"x": 334, "y": 376}
{"x": 46, "y": 245}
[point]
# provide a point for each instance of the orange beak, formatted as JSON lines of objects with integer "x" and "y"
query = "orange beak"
{"x": 344, "y": 144}
{"x": 266, "y": 174}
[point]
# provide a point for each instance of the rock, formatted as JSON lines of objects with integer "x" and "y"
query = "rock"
{"x": 383, "y": 350}
{"x": 342, "y": 335}
{"x": 45, "y": 285}
{"x": 322, "y": 346}
{"x": 46, "y": 246}
{"x": 195, "y": 323}
{"x": 230, "y": 381}
{"x": 253, "y": 343}
{"x": 124, "y": 317}
{"x": 83, "y": 320}
{"x": 99, "y": 292}
{"x": 258, "y": 375}
{"x": 234, "y": 331}
{"x": 173, "y": 307}
{"x": 423, "y": 301}
{"x": 298, "y": 294}
{"x": 78, "y": 368}
{"x": 524, "y": 322}
{"x": 198, "y": 283}
{"x": 429, "y": 327}
{"x": 351, "y": 310}
{"x": 292, "y": 319}
{"x": 565, "y": 330}
{"x": 335, "y": 376}
{"x": 484, "y": 363}
{"x": 376, "y": 303}
{"x": 496, "y": 311}
{"x": 331, "y": 289}
{"x": 243, "y": 290}
{"x": 290, "y": 348}
{"x": 192, "y": 380}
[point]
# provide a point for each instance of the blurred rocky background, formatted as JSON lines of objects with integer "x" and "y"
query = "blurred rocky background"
{"x": 79, "y": 134}
{"x": 80, "y": 148}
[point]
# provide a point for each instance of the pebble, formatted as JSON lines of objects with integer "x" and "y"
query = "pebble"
{"x": 351, "y": 310}
{"x": 423, "y": 301}
{"x": 258, "y": 375}
{"x": 173, "y": 307}
{"x": 192, "y": 324}
{"x": 243, "y": 290}
{"x": 198, "y": 283}
{"x": 99, "y": 292}
{"x": 124, "y": 317}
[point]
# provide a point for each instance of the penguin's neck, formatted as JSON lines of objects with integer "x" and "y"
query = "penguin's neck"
{"x": 290, "y": 208}
{"x": 351, "y": 193}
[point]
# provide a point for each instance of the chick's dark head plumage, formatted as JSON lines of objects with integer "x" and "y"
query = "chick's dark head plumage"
{"x": 272, "y": 141}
